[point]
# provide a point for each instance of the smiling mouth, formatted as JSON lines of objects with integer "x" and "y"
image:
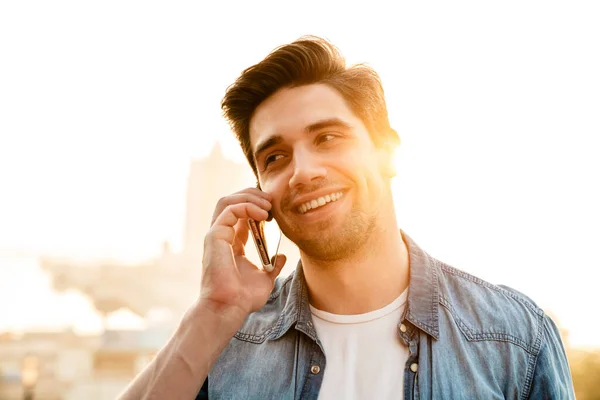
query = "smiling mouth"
{"x": 319, "y": 202}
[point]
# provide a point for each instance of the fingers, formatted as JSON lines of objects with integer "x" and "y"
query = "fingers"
{"x": 249, "y": 195}
{"x": 241, "y": 236}
{"x": 223, "y": 227}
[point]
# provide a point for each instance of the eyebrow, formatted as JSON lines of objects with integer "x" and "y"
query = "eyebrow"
{"x": 263, "y": 146}
{"x": 327, "y": 123}
{"x": 277, "y": 139}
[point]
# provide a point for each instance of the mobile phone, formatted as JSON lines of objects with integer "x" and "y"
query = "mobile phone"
{"x": 257, "y": 229}
{"x": 258, "y": 234}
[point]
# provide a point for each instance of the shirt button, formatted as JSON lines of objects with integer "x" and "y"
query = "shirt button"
{"x": 402, "y": 328}
{"x": 315, "y": 369}
{"x": 414, "y": 367}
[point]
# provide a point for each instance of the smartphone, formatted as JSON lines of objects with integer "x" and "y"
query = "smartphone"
{"x": 257, "y": 229}
{"x": 258, "y": 234}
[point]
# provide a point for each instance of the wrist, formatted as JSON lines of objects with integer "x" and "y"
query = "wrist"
{"x": 218, "y": 315}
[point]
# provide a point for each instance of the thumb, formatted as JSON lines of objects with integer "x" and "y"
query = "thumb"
{"x": 278, "y": 261}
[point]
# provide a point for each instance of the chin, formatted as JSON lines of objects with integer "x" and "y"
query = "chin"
{"x": 337, "y": 244}
{"x": 330, "y": 250}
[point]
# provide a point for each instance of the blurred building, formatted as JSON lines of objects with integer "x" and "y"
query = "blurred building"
{"x": 68, "y": 367}
{"x": 209, "y": 179}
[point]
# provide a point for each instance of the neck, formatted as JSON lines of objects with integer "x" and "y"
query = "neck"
{"x": 368, "y": 280}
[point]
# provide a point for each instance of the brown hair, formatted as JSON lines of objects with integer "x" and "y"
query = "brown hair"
{"x": 307, "y": 60}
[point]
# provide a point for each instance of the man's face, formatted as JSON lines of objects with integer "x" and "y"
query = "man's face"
{"x": 326, "y": 176}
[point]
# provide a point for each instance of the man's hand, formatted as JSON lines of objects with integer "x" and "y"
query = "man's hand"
{"x": 232, "y": 287}
{"x": 231, "y": 284}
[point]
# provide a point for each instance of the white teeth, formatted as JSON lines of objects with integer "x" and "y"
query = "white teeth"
{"x": 318, "y": 202}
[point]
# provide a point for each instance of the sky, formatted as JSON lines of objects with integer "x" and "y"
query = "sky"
{"x": 104, "y": 104}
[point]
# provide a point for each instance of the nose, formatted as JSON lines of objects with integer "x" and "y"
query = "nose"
{"x": 308, "y": 168}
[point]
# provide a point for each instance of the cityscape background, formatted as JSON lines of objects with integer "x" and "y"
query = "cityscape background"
{"x": 113, "y": 152}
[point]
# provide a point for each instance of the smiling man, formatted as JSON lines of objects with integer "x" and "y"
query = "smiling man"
{"x": 367, "y": 314}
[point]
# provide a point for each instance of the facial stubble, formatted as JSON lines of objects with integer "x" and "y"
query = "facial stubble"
{"x": 330, "y": 243}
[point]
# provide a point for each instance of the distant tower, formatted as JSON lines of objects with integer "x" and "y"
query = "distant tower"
{"x": 209, "y": 179}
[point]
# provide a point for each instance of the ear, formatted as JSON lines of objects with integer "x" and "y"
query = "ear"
{"x": 386, "y": 163}
{"x": 387, "y": 153}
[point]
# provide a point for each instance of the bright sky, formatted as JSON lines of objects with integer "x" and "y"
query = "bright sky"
{"x": 103, "y": 104}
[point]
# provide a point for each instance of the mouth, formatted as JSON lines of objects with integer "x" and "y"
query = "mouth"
{"x": 319, "y": 202}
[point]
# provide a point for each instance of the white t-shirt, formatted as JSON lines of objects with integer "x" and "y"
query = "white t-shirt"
{"x": 365, "y": 356}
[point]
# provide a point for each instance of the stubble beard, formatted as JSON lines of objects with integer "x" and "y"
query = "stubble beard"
{"x": 332, "y": 244}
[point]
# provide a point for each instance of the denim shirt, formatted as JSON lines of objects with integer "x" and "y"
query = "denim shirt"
{"x": 467, "y": 339}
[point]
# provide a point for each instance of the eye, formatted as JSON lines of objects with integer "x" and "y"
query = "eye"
{"x": 271, "y": 158}
{"x": 326, "y": 137}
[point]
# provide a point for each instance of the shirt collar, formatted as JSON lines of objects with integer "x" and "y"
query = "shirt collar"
{"x": 421, "y": 308}
{"x": 423, "y": 289}
{"x": 296, "y": 309}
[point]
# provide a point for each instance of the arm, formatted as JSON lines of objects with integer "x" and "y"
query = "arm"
{"x": 231, "y": 288}
{"x": 180, "y": 368}
{"x": 552, "y": 375}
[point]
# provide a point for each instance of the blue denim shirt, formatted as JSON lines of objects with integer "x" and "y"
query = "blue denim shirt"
{"x": 467, "y": 339}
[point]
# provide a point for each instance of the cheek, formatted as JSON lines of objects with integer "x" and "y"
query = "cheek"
{"x": 361, "y": 164}
{"x": 276, "y": 187}
{"x": 368, "y": 175}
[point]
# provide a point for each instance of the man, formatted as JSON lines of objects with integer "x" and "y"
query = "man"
{"x": 367, "y": 313}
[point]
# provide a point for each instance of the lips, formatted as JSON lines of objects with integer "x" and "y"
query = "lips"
{"x": 319, "y": 202}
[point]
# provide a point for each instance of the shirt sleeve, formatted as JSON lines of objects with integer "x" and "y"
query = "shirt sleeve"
{"x": 552, "y": 375}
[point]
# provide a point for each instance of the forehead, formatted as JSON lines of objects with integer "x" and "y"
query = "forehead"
{"x": 290, "y": 110}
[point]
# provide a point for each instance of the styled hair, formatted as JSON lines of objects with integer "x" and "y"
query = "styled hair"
{"x": 306, "y": 61}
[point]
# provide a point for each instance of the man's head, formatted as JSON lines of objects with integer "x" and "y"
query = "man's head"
{"x": 306, "y": 61}
{"x": 318, "y": 138}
